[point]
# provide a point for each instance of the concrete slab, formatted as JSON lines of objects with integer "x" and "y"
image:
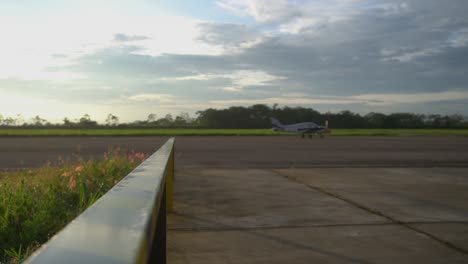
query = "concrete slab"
{"x": 405, "y": 194}
{"x": 345, "y": 244}
{"x": 274, "y": 216}
{"x": 455, "y": 233}
{"x": 251, "y": 198}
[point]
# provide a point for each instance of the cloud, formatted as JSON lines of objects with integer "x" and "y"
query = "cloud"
{"x": 261, "y": 10}
{"x": 316, "y": 16}
{"x": 29, "y": 105}
{"x": 31, "y": 54}
{"x": 369, "y": 99}
{"x": 162, "y": 98}
{"x": 235, "y": 89}
{"x": 244, "y": 78}
{"x": 232, "y": 37}
{"x": 459, "y": 38}
{"x": 240, "y": 79}
{"x": 391, "y": 8}
{"x": 382, "y": 99}
{"x": 411, "y": 55}
{"x": 336, "y": 54}
{"x": 120, "y": 37}
{"x": 196, "y": 77}
{"x": 286, "y": 101}
{"x": 359, "y": 48}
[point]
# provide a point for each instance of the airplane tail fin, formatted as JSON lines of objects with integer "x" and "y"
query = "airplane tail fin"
{"x": 327, "y": 130}
{"x": 276, "y": 124}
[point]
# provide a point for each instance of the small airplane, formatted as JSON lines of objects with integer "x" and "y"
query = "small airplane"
{"x": 309, "y": 128}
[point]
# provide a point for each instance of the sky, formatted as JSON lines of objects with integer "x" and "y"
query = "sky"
{"x": 132, "y": 58}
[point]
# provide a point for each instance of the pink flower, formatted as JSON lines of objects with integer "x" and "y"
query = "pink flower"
{"x": 140, "y": 155}
{"x": 72, "y": 183}
{"x": 66, "y": 174}
{"x": 137, "y": 156}
{"x": 79, "y": 168}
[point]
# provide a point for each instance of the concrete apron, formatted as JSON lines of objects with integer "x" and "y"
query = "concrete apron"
{"x": 321, "y": 215}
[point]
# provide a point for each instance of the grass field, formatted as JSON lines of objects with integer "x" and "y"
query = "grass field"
{"x": 35, "y": 204}
{"x": 18, "y": 132}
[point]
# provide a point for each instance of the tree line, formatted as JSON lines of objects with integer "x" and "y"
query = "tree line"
{"x": 255, "y": 116}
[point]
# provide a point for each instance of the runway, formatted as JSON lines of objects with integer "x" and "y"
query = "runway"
{"x": 249, "y": 152}
{"x": 319, "y": 215}
{"x": 293, "y": 200}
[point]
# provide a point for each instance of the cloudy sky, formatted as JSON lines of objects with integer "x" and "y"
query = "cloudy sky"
{"x": 132, "y": 58}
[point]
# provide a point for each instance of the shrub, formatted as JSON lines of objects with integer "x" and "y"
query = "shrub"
{"x": 35, "y": 204}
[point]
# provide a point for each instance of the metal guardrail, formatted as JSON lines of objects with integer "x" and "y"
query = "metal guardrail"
{"x": 126, "y": 225}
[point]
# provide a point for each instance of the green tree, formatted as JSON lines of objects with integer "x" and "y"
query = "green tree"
{"x": 169, "y": 118}
{"x": 112, "y": 120}
{"x": 38, "y": 121}
{"x": 182, "y": 120}
{"x": 151, "y": 118}
{"x": 375, "y": 120}
{"x": 85, "y": 121}
{"x": 19, "y": 120}
{"x": 67, "y": 122}
{"x": 9, "y": 121}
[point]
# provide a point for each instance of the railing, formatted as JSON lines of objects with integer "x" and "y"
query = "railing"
{"x": 127, "y": 225}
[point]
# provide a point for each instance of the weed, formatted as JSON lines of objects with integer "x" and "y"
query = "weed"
{"x": 36, "y": 204}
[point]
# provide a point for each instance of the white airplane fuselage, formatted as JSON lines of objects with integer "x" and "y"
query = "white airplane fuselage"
{"x": 300, "y": 128}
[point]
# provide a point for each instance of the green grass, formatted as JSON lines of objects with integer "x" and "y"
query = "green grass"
{"x": 136, "y": 132}
{"x": 400, "y": 132}
{"x": 35, "y": 204}
{"x": 18, "y": 132}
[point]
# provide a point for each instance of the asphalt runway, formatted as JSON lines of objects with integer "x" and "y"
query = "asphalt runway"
{"x": 248, "y": 152}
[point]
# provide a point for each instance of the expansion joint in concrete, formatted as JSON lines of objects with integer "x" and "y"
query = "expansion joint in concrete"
{"x": 234, "y": 228}
{"x": 375, "y": 212}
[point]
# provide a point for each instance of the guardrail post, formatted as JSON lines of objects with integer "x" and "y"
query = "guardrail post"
{"x": 170, "y": 182}
{"x": 158, "y": 251}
